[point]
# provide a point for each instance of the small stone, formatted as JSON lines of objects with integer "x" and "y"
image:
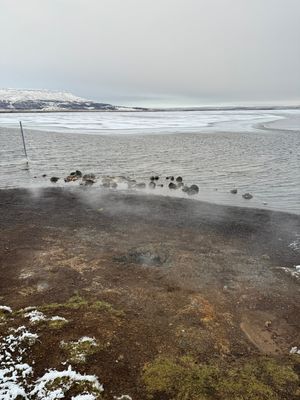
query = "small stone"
{"x": 233, "y": 191}
{"x": 268, "y": 324}
{"x": 44, "y": 175}
{"x": 88, "y": 176}
{"x": 54, "y": 179}
{"x": 193, "y": 189}
{"x": 172, "y": 186}
{"x": 179, "y": 179}
{"x": 89, "y": 182}
{"x": 247, "y": 196}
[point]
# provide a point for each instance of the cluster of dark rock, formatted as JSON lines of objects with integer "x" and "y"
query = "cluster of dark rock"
{"x": 112, "y": 182}
{"x": 246, "y": 196}
{"x": 155, "y": 181}
{"x": 174, "y": 184}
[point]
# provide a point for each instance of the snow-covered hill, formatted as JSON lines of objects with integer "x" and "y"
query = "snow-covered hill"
{"x": 45, "y": 100}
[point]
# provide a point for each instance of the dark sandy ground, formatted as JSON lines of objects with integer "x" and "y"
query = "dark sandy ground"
{"x": 176, "y": 277}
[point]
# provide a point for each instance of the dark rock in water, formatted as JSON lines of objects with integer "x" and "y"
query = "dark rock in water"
{"x": 35, "y": 177}
{"x": 54, "y": 179}
{"x": 152, "y": 178}
{"x": 167, "y": 177}
{"x": 44, "y": 175}
{"x": 179, "y": 179}
{"x": 172, "y": 178}
{"x": 152, "y": 185}
{"x": 185, "y": 189}
{"x": 72, "y": 173}
{"x": 78, "y": 173}
{"x": 193, "y": 189}
{"x": 71, "y": 178}
{"x": 89, "y": 182}
{"x": 172, "y": 185}
{"x": 88, "y": 176}
{"x": 247, "y": 196}
{"x": 140, "y": 185}
{"x": 161, "y": 185}
{"x": 156, "y": 178}
{"x": 233, "y": 191}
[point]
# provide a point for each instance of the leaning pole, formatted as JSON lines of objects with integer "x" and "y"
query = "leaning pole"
{"x": 24, "y": 143}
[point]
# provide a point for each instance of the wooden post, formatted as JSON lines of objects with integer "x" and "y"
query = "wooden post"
{"x": 23, "y": 138}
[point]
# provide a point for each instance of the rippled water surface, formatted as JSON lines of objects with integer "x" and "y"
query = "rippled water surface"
{"x": 216, "y": 150}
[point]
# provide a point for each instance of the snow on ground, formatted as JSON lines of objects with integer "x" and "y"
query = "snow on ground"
{"x": 17, "y": 377}
{"x": 292, "y": 271}
{"x": 45, "y": 388}
{"x": 295, "y": 245}
{"x": 295, "y": 350}
{"x": 14, "y": 372}
{"x": 14, "y": 95}
{"x": 6, "y": 309}
{"x": 35, "y": 316}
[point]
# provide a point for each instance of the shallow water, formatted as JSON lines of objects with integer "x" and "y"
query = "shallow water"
{"x": 217, "y": 150}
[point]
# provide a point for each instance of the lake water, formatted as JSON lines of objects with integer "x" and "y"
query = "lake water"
{"x": 254, "y": 151}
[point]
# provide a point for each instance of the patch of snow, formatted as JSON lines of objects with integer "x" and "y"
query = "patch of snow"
{"x": 292, "y": 271}
{"x": 87, "y": 339}
{"x": 295, "y": 350}
{"x": 14, "y": 372}
{"x": 6, "y": 309}
{"x": 14, "y": 95}
{"x": 84, "y": 397}
{"x": 295, "y": 245}
{"x": 16, "y": 375}
{"x": 57, "y": 318}
{"x": 42, "y": 387}
{"x": 35, "y": 316}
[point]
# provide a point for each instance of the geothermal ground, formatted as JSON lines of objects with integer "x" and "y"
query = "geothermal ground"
{"x": 128, "y": 288}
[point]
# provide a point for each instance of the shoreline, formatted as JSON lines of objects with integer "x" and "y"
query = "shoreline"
{"x": 149, "y": 194}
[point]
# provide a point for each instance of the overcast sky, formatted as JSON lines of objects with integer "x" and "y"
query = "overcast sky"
{"x": 160, "y": 52}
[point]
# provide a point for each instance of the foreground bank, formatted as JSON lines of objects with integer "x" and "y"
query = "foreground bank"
{"x": 147, "y": 295}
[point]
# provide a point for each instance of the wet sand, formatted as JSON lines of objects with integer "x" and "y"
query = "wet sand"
{"x": 186, "y": 278}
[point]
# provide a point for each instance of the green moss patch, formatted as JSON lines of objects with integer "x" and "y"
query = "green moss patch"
{"x": 183, "y": 378}
{"x": 57, "y": 323}
{"x": 104, "y": 306}
{"x": 77, "y": 302}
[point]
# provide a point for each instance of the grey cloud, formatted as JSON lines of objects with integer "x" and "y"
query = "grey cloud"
{"x": 168, "y": 51}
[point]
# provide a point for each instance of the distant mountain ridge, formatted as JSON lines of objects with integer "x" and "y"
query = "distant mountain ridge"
{"x": 18, "y": 100}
